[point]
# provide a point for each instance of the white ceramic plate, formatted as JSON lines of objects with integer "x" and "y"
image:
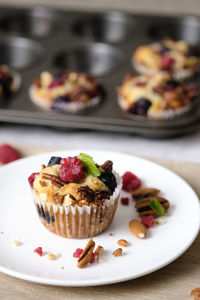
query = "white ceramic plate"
{"x": 19, "y": 221}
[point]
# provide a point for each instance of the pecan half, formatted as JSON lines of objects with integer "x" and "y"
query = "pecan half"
{"x": 86, "y": 254}
{"x": 86, "y": 193}
{"x": 142, "y": 193}
{"x": 107, "y": 166}
{"x": 144, "y": 208}
{"x": 117, "y": 252}
{"x": 98, "y": 251}
{"x": 56, "y": 180}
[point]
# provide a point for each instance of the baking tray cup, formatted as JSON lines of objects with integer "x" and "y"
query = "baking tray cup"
{"x": 37, "y": 39}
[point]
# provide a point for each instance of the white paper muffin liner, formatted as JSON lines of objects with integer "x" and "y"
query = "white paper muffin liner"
{"x": 177, "y": 74}
{"x": 158, "y": 115}
{"x": 76, "y": 221}
{"x": 71, "y": 107}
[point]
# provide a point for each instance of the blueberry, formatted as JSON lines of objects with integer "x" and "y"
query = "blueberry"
{"x": 46, "y": 216}
{"x": 194, "y": 51}
{"x": 109, "y": 180}
{"x": 172, "y": 83}
{"x": 163, "y": 49}
{"x": 54, "y": 161}
{"x": 140, "y": 107}
{"x": 59, "y": 103}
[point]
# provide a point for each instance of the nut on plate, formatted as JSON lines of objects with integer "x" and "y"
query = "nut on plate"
{"x": 195, "y": 293}
{"x": 122, "y": 243}
{"x": 137, "y": 229}
{"x": 117, "y": 252}
{"x": 86, "y": 255}
{"x": 98, "y": 251}
{"x": 144, "y": 209}
{"x": 142, "y": 193}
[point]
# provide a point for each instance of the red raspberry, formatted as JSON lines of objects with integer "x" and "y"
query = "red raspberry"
{"x": 77, "y": 253}
{"x": 92, "y": 260}
{"x": 167, "y": 62}
{"x": 71, "y": 169}
{"x": 39, "y": 251}
{"x": 130, "y": 182}
{"x": 8, "y": 154}
{"x": 140, "y": 83}
{"x": 148, "y": 221}
{"x": 125, "y": 201}
{"x": 31, "y": 179}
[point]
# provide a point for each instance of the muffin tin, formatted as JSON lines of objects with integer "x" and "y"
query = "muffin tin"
{"x": 33, "y": 40}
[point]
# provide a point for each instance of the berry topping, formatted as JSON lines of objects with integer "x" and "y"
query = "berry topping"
{"x": 130, "y": 182}
{"x": 172, "y": 83}
{"x": 167, "y": 62}
{"x": 39, "y": 251}
{"x": 8, "y": 154}
{"x": 140, "y": 83}
{"x": 140, "y": 107}
{"x": 59, "y": 103}
{"x": 31, "y": 179}
{"x": 54, "y": 161}
{"x": 148, "y": 221}
{"x": 125, "y": 201}
{"x": 77, "y": 253}
{"x": 56, "y": 82}
{"x": 109, "y": 180}
{"x": 71, "y": 169}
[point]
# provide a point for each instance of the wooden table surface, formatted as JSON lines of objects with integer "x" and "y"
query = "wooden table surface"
{"x": 174, "y": 281}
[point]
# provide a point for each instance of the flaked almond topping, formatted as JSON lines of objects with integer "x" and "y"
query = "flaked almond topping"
{"x": 68, "y": 200}
{"x": 58, "y": 199}
{"x": 122, "y": 243}
{"x": 137, "y": 228}
{"x": 86, "y": 255}
{"x": 117, "y": 252}
{"x": 98, "y": 251}
{"x": 17, "y": 243}
{"x": 160, "y": 221}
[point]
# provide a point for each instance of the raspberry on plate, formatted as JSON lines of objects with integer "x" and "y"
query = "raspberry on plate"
{"x": 130, "y": 182}
{"x": 8, "y": 154}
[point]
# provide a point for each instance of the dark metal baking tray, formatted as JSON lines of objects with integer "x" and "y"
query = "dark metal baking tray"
{"x": 37, "y": 39}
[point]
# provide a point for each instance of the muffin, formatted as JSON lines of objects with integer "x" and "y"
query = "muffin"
{"x": 9, "y": 82}
{"x": 66, "y": 91}
{"x": 74, "y": 197}
{"x": 177, "y": 57}
{"x": 158, "y": 96}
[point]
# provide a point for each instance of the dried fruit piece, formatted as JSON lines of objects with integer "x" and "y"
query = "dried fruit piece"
{"x": 39, "y": 251}
{"x": 137, "y": 229}
{"x": 148, "y": 221}
{"x": 124, "y": 201}
{"x": 8, "y": 154}
{"x": 195, "y": 293}
{"x": 122, "y": 243}
{"x": 130, "y": 182}
{"x": 156, "y": 206}
{"x": 142, "y": 193}
{"x": 86, "y": 255}
{"x": 71, "y": 170}
{"x": 117, "y": 252}
{"x": 89, "y": 164}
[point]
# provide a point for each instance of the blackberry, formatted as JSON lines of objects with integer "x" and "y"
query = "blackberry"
{"x": 194, "y": 51}
{"x": 54, "y": 161}
{"x": 140, "y": 107}
{"x": 109, "y": 180}
{"x": 59, "y": 103}
{"x": 172, "y": 83}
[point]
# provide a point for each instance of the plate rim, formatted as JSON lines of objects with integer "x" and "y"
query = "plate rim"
{"x": 100, "y": 282}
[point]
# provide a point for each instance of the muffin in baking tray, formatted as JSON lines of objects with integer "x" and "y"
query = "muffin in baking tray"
{"x": 74, "y": 197}
{"x": 66, "y": 91}
{"x": 10, "y": 82}
{"x": 177, "y": 57}
{"x": 158, "y": 96}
